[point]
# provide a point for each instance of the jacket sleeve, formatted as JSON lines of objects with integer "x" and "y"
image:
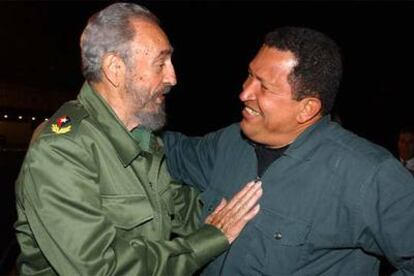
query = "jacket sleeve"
{"x": 187, "y": 209}
{"x": 191, "y": 159}
{"x": 62, "y": 229}
{"x": 387, "y": 204}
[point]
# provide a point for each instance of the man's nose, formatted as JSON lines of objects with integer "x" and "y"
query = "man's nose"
{"x": 170, "y": 77}
{"x": 248, "y": 92}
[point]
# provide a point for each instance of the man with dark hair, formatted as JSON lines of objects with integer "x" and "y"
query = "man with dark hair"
{"x": 332, "y": 202}
{"x": 94, "y": 196}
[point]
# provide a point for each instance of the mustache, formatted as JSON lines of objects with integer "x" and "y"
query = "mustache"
{"x": 165, "y": 90}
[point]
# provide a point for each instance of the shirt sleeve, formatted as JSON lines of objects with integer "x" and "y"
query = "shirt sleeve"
{"x": 191, "y": 159}
{"x": 62, "y": 229}
{"x": 388, "y": 208}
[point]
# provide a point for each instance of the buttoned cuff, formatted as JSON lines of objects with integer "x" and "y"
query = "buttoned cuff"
{"x": 207, "y": 243}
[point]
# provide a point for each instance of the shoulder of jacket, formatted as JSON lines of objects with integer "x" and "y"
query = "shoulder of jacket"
{"x": 230, "y": 134}
{"x": 65, "y": 121}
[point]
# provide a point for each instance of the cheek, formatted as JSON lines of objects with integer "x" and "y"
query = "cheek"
{"x": 155, "y": 83}
{"x": 270, "y": 107}
{"x": 278, "y": 112}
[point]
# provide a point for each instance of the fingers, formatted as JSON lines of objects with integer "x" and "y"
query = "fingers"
{"x": 243, "y": 201}
{"x": 232, "y": 217}
{"x": 245, "y": 204}
{"x": 252, "y": 213}
{"x": 222, "y": 204}
{"x": 243, "y": 192}
{"x": 228, "y": 209}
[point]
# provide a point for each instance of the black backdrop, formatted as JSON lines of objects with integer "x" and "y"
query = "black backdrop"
{"x": 214, "y": 42}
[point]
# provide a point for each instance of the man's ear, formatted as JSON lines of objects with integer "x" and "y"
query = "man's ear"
{"x": 113, "y": 69}
{"x": 309, "y": 108}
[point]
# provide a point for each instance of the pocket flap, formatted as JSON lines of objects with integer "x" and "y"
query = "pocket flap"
{"x": 281, "y": 229}
{"x": 127, "y": 211}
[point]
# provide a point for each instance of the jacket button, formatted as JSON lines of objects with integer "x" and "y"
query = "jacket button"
{"x": 133, "y": 243}
{"x": 277, "y": 236}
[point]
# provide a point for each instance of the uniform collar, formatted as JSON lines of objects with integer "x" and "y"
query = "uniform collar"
{"x": 306, "y": 143}
{"x": 145, "y": 139}
{"x": 122, "y": 140}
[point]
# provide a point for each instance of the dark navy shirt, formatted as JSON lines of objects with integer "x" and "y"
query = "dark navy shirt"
{"x": 332, "y": 202}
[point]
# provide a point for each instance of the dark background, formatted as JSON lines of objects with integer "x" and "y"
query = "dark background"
{"x": 214, "y": 42}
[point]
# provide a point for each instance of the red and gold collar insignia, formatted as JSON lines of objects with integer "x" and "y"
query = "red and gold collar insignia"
{"x": 62, "y": 125}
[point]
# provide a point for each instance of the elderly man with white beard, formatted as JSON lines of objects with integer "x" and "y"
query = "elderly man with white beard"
{"x": 94, "y": 196}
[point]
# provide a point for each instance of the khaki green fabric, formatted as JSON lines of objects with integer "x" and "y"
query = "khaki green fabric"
{"x": 95, "y": 199}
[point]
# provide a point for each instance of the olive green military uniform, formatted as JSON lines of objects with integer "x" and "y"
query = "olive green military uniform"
{"x": 95, "y": 199}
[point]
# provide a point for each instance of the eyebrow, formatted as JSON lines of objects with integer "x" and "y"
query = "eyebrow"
{"x": 256, "y": 76}
{"x": 164, "y": 53}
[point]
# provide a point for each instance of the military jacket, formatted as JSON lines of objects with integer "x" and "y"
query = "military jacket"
{"x": 96, "y": 199}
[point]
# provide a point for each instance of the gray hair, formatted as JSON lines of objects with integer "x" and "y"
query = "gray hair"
{"x": 110, "y": 31}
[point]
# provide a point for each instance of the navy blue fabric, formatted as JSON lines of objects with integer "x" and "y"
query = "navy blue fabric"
{"x": 332, "y": 202}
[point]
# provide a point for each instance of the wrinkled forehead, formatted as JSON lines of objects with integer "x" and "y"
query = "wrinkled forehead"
{"x": 273, "y": 61}
{"x": 149, "y": 38}
{"x": 275, "y": 58}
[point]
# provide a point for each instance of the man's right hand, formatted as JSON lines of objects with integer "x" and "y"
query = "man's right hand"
{"x": 231, "y": 217}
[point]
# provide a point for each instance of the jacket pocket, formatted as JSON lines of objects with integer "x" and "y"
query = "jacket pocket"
{"x": 283, "y": 240}
{"x": 282, "y": 230}
{"x": 127, "y": 211}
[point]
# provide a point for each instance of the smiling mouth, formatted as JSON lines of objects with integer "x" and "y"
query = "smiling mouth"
{"x": 251, "y": 111}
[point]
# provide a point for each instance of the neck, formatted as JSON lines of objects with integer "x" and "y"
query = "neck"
{"x": 113, "y": 97}
{"x": 281, "y": 145}
{"x": 288, "y": 138}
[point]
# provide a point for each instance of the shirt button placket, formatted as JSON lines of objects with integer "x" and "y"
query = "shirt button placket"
{"x": 133, "y": 243}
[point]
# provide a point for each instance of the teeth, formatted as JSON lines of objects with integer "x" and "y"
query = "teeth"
{"x": 251, "y": 111}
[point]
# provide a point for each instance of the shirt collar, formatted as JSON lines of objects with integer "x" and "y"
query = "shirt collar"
{"x": 144, "y": 138}
{"x": 305, "y": 143}
{"x": 122, "y": 140}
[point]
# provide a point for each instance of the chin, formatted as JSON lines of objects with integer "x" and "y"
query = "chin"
{"x": 243, "y": 126}
{"x": 248, "y": 132}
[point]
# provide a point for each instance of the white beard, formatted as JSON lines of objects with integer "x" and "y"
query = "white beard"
{"x": 154, "y": 119}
